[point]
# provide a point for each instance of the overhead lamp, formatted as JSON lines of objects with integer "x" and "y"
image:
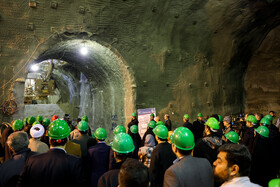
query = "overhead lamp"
{"x": 35, "y": 67}
{"x": 84, "y": 51}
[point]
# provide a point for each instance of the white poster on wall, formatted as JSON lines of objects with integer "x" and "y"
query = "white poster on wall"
{"x": 144, "y": 119}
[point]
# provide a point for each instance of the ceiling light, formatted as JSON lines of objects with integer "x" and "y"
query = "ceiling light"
{"x": 84, "y": 51}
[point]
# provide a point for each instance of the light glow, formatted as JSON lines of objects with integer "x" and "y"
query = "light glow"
{"x": 35, "y": 67}
{"x": 84, "y": 51}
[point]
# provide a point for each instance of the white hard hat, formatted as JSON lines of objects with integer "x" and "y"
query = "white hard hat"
{"x": 37, "y": 131}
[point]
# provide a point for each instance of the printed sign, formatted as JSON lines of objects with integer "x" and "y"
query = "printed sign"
{"x": 144, "y": 119}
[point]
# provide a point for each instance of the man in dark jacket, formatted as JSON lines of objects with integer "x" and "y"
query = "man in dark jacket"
{"x": 56, "y": 167}
{"x": 11, "y": 169}
{"x": 248, "y": 137}
{"x": 167, "y": 122}
{"x": 162, "y": 156}
{"x": 133, "y": 121}
{"x": 98, "y": 157}
{"x": 123, "y": 147}
{"x": 198, "y": 127}
{"x": 149, "y": 136}
{"x": 187, "y": 124}
{"x": 207, "y": 147}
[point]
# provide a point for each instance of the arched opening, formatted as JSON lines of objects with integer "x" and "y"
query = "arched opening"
{"x": 97, "y": 83}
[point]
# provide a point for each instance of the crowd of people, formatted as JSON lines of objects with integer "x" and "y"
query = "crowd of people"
{"x": 211, "y": 151}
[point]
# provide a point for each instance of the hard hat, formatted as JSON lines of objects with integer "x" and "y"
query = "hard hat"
{"x": 152, "y": 115}
{"x": 31, "y": 120}
{"x": 55, "y": 117}
{"x": 160, "y": 123}
{"x": 123, "y": 143}
{"x": 59, "y": 129}
{"x": 213, "y": 123}
{"x": 220, "y": 118}
{"x": 84, "y": 118}
{"x": 274, "y": 183}
{"x": 183, "y": 138}
{"x": 25, "y": 121}
{"x": 35, "y": 123}
{"x": 269, "y": 117}
{"x": 100, "y": 134}
{"x": 251, "y": 119}
{"x": 186, "y": 116}
{"x": 199, "y": 115}
{"x": 161, "y": 131}
{"x": 37, "y": 131}
{"x": 17, "y": 125}
{"x": 263, "y": 130}
{"x": 119, "y": 129}
{"x": 46, "y": 121}
{"x": 39, "y": 118}
{"x": 134, "y": 129}
{"x": 82, "y": 126}
{"x": 265, "y": 121}
{"x": 134, "y": 114}
{"x": 232, "y": 136}
{"x": 152, "y": 124}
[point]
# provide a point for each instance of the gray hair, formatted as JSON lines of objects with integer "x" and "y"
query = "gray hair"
{"x": 18, "y": 141}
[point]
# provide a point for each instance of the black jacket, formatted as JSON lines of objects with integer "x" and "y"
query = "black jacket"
{"x": 110, "y": 178}
{"x": 132, "y": 122}
{"x": 248, "y": 138}
{"x": 188, "y": 125}
{"x": 198, "y": 129}
{"x": 54, "y": 168}
{"x": 149, "y": 131}
{"x": 162, "y": 158}
{"x": 168, "y": 124}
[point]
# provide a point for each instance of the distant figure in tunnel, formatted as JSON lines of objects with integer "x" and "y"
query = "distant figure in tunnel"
{"x": 134, "y": 121}
{"x": 167, "y": 122}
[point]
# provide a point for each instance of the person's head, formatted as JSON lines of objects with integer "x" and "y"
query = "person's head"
{"x": 251, "y": 121}
{"x": 211, "y": 126}
{"x": 272, "y": 113}
{"x": 17, "y": 125}
{"x": 157, "y": 119}
{"x": 83, "y": 127}
{"x": 58, "y": 132}
{"x": 161, "y": 133}
{"x": 166, "y": 116}
{"x": 199, "y": 116}
{"x": 227, "y": 121}
{"x": 182, "y": 141}
{"x": 37, "y": 131}
{"x": 186, "y": 118}
{"x": 152, "y": 116}
{"x": 122, "y": 146}
{"x": 133, "y": 174}
{"x": 18, "y": 141}
{"x": 133, "y": 116}
{"x": 100, "y": 134}
{"x": 258, "y": 116}
{"x": 233, "y": 160}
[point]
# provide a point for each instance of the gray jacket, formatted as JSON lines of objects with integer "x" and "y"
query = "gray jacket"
{"x": 189, "y": 172}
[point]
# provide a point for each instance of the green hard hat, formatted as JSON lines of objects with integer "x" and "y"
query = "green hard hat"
{"x": 213, "y": 123}
{"x": 31, "y": 120}
{"x": 134, "y": 114}
{"x": 39, "y": 118}
{"x": 123, "y": 143}
{"x": 35, "y": 123}
{"x": 152, "y": 115}
{"x": 262, "y": 130}
{"x": 17, "y": 125}
{"x": 134, "y": 129}
{"x": 160, "y": 123}
{"x": 152, "y": 124}
{"x": 265, "y": 121}
{"x": 186, "y": 116}
{"x": 119, "y": 129}
{"x": 199, "y": 115}
{"x": 25, "y": 121}
{"x": 82, "y": 126}
{"x": 232, "y": 136}
{"x": 59, "y": 129}
{"x": 220, "y": 118}
{"x": 269, "y": 117}
{"x": 84, "y": 118}
{"x": 183, "y": 138}
{"x": 100, "y": 134}
{"x": 251, "y": 119}
{"x": 274, "y": 183}
{"x": 46, "y": 121}
{"x": 161, "y": 131}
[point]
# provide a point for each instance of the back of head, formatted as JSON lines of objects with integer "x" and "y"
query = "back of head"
{"x": 18, "y": 141}
{"x": 238, "y": 154}
{"x": 133, "y": 174}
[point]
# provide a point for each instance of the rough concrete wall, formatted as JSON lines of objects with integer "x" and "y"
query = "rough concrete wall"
{"x": 263, "y": 76}
{"x": 49, "y": 110}
{"x": 187, "y": 56}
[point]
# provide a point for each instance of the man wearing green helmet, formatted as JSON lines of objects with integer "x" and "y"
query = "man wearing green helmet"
{"x": 123, "y": 147}
{"x": 83, "y": 139}
{"x": 148, "y": 139}
{"x": 187, "y": 170}
{"x": 54, "y": 167}
{"x": 98, "y": 156}
{"x": 231, "y": 137}
{"x": 187, "y": 124}
{"x": 248, "y": 137}
{"x": 198, "y": 127}
{"x": 162, "y": 156}
{"x": 134, "y": 121}
{"x": 208, "y": 145}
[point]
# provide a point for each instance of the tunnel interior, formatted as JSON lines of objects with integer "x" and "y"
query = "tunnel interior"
{"x": 89, "y": 79}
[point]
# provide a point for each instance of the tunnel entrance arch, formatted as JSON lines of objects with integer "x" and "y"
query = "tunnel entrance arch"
{"x": 106, "y": 85}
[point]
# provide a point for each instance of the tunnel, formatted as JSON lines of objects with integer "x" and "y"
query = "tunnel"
{"x": 97, "y": 83}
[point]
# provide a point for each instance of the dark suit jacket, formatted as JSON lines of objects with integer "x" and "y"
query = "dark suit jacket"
{"x": 83, "y": 139}
{"x": 168, "y": 124}
{"x": 110, "y": 178}
{"x": 54, "y": 168}
{"x": 189, "y": 172}
{"x": 98, "y": 159}
{"x": 162, "y": 158}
